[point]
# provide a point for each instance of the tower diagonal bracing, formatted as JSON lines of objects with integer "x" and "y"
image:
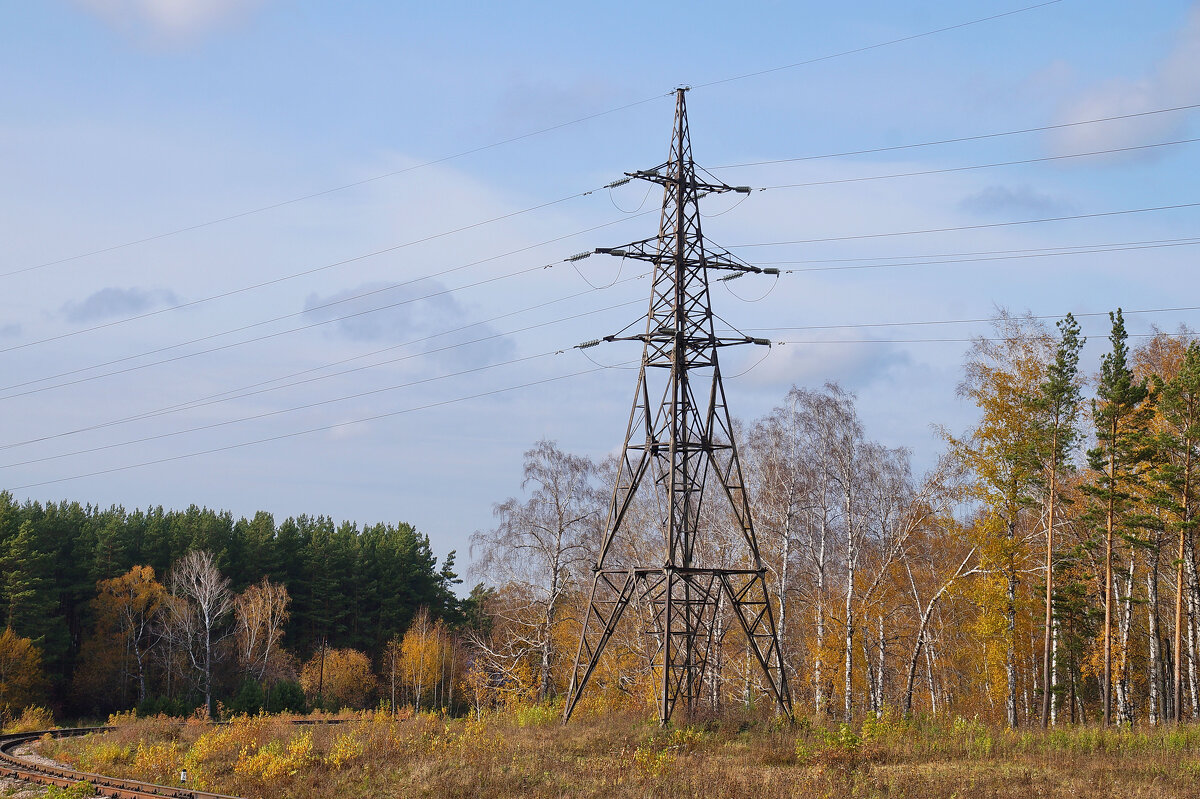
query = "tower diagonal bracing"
{"x": 679, "y": 452}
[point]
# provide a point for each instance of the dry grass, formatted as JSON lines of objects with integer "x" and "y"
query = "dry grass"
{"x": 525, "y": 752}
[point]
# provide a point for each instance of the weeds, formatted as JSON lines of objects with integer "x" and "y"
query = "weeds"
{"x": 32, "y": 718}
{"x": 523, "y": 750}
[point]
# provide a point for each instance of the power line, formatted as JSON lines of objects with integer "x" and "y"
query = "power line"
{"x": 475, "y": 370}
{"x": 969, "y": 168}
{"x": 958, "y": 140}
{"x": 1081, "y": 247}
{"x": 324, "y": 267}
{"x": 972, "y": 227}
{"x": 279, "y": 412}
{"x": 295, "y": 314}
{"x": 323, "y": 428}
{"x": 957, "y": 340}
{"x": 220, "y": 397}
{"x": 1068, "y": 252}
{"x": 341, "y": 318}
{"x": 322, "y": 193}
{"x": 233, "y": 344}
{"x": 861, "y": 325}
{"x": 223, "y": 396}
{"x": 877, "y": 46}
{"x": 541, "y": 131}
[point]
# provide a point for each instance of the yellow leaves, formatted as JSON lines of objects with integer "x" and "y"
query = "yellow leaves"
{"x": 243, "y": 753}
{"x": 31, "y": 719}
{"x": 271, "y": 762}
{"x": 538, "y": 714}
{"x": 152, "y": 760}
{"x": 346, "y": 749}
{"x": 106, "y": 757}
{"x": 120, "y": 599}
{"x": 653, "y": 762}
{"x": 457, "y": 739}
{"x": 338, "y": 678}
{"x": 122, "y": 718}
{"x": 21, "y": 676}
{"x": 423, "y": 656}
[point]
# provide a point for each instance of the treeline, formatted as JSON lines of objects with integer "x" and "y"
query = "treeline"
{"x": 75, "y": 580}
{"x": 1043, "y": 571}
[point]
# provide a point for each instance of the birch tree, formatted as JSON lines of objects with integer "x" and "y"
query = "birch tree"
{"x": 261, "y": 612}
{"x": 128, "y": 606}
{"x": 537, "y": 548}
{"x": 196, "y": 616}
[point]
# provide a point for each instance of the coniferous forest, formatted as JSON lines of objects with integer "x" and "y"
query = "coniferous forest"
{"x": 91, "y": 589}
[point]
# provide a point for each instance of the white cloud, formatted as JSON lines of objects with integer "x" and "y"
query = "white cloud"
{"x": 172, "y": 19}
{"x": 1174, "y": 81}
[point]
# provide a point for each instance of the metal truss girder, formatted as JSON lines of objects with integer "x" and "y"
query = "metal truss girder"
{"x": 684, "y": 442}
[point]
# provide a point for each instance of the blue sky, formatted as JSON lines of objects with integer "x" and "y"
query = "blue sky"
{"x": 127, "y": 119}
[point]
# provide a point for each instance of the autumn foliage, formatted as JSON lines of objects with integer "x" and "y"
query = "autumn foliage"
{"x": 21, "y": 679}
{"x": 338, "y": 678}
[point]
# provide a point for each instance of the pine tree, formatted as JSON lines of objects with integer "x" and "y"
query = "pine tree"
{"x": 1059, "y": 406}
{"x": 1120, "y": 414}
{"x": 1179, "y": 407}
{"x": 1003, "y": 378}
{"x": 28, "y": 587}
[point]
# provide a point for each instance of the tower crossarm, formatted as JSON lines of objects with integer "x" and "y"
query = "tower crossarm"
{"x": 663, "y": 336}
{"x": 651, "y": 250}
{"x": 663, "y": 176}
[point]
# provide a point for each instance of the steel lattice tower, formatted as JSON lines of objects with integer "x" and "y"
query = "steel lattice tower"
{"x": 683, "y": 449}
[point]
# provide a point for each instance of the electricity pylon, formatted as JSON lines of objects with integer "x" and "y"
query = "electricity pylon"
{"x": 683, "y": 451}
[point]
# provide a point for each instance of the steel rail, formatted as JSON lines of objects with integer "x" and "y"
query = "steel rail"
{"x": 18, "y": 768}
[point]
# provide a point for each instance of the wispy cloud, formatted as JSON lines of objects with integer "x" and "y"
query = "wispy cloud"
{"x": 1173, "y": 81}
{"x": 10, "y": 330}
{"x": 168, "y": 19}
{"x": 410, "y": 313}
{"x": 111, "y": 302}
{"x": 997, "y": 200}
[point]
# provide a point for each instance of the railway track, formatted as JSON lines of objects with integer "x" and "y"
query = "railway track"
{"x": 17, "y": 768}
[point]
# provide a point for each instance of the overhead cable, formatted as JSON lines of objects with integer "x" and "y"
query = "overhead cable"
{"x": 971, "y": 167}
{"x": 324, "y": 267}
{"x": 876, "y": 46}
{"x": 958, "y": 140}
{"x": 256, "y": 389}
{"x": 492, "y": 145}
{"x": 860, "y": 236}
{"x": 295, "y": 434}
